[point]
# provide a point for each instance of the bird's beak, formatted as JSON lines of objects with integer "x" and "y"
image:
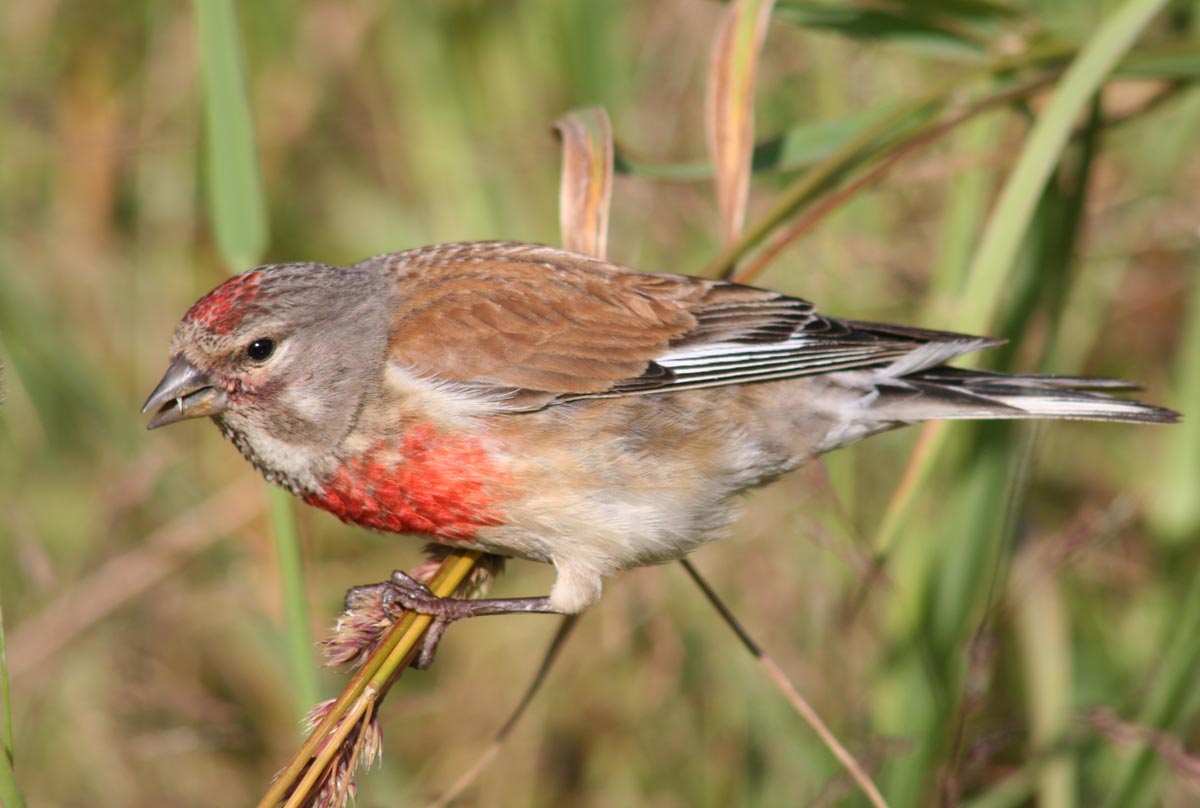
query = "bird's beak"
{"x": 184, "y": 392}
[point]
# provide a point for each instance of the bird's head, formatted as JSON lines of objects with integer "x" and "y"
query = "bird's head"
{"x": 281, "y": 354}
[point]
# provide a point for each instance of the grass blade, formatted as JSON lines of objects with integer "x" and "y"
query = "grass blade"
{"x": 298, "y": 625}
{"x": 1168, "y": 705}
{"x": 909, "y": 28}
{"x": 10, "y": 795}
{"x": 729, "y": 107}
{"x": 1177, "y": 508}
{"x": 992, "y": 266}
{"x": 237, "y": 209}
{"x": 903, "y": 150}
{"x": 808, "y": 143}
{"x": 798, "y": 147}
{"x": 235, "y": 190}
{"x": 1043, "y": 630}
{"x": 585, "y": 193}
{"x": 1007, "y": 225}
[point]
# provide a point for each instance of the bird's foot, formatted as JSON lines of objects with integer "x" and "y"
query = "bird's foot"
{"x": 405, "y": 592}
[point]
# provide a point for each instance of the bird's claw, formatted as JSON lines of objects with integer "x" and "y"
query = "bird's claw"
{"x": 407, "y": 592}
{"x": 403, "y": 591}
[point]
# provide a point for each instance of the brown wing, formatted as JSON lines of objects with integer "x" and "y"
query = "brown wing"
{"x": 542, "y": 324}
{"x": 526, "y": 317}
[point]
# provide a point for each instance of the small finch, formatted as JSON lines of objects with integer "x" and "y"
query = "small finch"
{"x": 532, "y": 402}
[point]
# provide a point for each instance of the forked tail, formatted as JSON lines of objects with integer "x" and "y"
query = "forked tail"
{"x": 954, "y": 393}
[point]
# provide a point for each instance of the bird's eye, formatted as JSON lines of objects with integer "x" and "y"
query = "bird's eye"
{"x": 261, "y": 349}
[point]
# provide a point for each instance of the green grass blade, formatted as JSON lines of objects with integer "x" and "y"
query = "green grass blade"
{"x": 963, "y": 568}
{"x": 234, "y": 188}
{"x": 808, "y": 143}
{"x": 965, "y": 211}
{"x": 1042, "y": 627}
{"x": 992, "y": 267}
{"x": 1171, "y": 62}
{"x": 10, "y": 795}
{"x": 238, "y": 212}
{"x": 1166, "y": 707}
{"x": 994, "y": 259}
{"x": 1013, "y": 792}
{"x": 822, "y": 176}
{"x": 1177, "y": 508}
{"x": 968, "y": 9}
{"x": 290, "y": 558}
{"x": 906, "y": 28}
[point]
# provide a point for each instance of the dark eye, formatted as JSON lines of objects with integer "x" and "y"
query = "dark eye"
{"x": 260, "y": 349}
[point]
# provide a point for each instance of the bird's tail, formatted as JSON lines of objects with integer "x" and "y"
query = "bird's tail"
{"x": 943, "y": 392}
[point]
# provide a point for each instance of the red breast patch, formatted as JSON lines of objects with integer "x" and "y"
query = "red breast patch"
{"x": 432, "y": 483}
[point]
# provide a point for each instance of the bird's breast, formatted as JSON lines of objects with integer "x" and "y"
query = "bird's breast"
{"x": 427, "y": 481}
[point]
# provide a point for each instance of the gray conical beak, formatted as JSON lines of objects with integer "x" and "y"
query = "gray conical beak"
{"x": 184, "y": 392}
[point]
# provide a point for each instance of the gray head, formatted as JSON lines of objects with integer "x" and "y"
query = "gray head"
{"x": 280, "y": 355}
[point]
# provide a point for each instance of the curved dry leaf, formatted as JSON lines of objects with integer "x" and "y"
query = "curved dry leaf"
{"x": 729, "y": 112}
{"x": 585, "y": 193}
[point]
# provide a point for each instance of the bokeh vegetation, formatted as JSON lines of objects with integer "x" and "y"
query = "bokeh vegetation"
{"x": 1032, "y": 633}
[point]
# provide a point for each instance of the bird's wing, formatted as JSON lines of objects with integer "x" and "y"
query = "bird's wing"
{"x": 541, "y": 325}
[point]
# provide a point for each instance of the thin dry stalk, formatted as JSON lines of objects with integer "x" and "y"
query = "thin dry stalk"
{"x": 730, "y": 118}
{"x": 785, "y": 686}
{"x": 489, "y": 755}
{"x": 1168, "y": 747}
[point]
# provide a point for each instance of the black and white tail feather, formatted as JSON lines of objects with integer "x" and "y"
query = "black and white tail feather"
{"x": 900, "y": 370}
{"x": 955, "y": 393}
{"x": 919, "y": 387}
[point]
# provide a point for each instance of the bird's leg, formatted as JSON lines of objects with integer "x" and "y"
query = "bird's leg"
{"x": 406, "y": 592}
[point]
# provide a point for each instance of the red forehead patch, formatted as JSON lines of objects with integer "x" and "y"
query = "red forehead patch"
{"x": 224, "y": 308}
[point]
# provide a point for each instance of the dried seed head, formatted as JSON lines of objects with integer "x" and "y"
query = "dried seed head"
{"x": 335, "y": 787}
{"x": 360, "y": 628}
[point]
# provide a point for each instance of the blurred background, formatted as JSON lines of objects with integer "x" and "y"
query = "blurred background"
{"x": 1033, "y": 635}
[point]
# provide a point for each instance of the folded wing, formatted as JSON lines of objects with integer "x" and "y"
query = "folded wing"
{"x": 531, "y": 326}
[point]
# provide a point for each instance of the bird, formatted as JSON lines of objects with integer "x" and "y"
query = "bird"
{"x": 537, "y": 403}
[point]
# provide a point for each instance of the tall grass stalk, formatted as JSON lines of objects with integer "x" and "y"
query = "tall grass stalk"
{"x": 1042, "y": 625}
{"x": 997, "y": 250}
{"x": 1176, "y": 502}
{"x": 10, "y": 794}
{"x": 1170, "y": 704}
{"x": 5, "y": 694}
{"x": 944, "y": 570}
{"x": 983, "y": 291}
{"x": 237, "y": 210}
